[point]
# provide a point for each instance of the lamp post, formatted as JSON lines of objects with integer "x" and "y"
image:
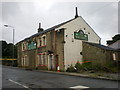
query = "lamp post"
{"x": 13, "y": 39}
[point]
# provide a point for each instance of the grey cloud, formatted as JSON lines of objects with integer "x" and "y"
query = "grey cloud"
{"x": 102, "y": 17}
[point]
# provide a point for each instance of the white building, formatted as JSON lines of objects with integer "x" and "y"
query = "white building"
{"x": 73, "y": 44}
{"x": 63, "y": 44}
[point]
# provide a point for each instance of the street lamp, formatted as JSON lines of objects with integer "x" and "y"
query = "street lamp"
{"x": 13, "y": 38}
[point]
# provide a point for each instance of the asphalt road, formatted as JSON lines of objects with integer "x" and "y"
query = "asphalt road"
{"x": 20, "y": 78}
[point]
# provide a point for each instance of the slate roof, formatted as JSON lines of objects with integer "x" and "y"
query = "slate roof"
{"x": 101, "y": 46}
{"x": 49, "y": 29}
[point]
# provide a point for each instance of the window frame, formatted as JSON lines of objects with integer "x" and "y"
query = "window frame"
{"x": 43, "y": 40}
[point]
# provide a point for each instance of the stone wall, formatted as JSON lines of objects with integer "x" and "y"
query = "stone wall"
{"x": 97, "y": 55}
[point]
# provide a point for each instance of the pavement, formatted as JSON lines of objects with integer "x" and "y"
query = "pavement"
{"x": 114, "y": 77}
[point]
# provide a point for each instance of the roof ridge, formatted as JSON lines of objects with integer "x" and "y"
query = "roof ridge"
{"x": 49, "y": 29}
{"x": 62, "y": 23}
{"x": 100, "y": 46}
{"x": 114, "y": 42}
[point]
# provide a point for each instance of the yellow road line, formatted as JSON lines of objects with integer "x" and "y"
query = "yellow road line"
{"x": 8, "y": 59}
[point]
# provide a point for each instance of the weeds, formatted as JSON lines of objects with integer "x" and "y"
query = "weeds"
{"x": 110, "y": 67}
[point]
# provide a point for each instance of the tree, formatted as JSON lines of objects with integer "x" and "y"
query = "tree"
{"x": 114, "y": 39}
{"x": 7, "y": 50}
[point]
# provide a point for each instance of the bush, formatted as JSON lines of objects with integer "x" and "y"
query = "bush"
{"x": 79, "y": 67}
{"x": 112, "y": 67}
{"x": 87, "y": 66}
{"x": 97, "y": 67}
{"x": 71, "y": 69}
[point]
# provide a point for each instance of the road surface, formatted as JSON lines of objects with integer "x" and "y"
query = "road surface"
{"x": 20, "y": 78}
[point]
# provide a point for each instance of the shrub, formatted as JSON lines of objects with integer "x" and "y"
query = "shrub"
{"x": 71, "y": 69}
{"x": 78, "y": 66}
{"x": 112, "y": 67}
{"x": 97, "y": 67}
{"x": 87, "y": 66}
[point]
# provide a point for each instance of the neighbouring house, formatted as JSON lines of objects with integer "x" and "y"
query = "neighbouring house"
{"x": 99, "y": 54}
{"x": 115, "y": 45}
{"x": 60, "y": 45}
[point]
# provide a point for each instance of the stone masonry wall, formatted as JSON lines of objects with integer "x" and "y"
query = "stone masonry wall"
{"x": 96, "y": 55}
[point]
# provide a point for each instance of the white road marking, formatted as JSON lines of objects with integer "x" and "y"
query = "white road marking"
{"x": 18, "y": 83}
{"x": 79, "y": 86}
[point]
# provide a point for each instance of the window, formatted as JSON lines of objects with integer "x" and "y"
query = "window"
{"x": 114, "y": 56}
{"x": 99, "y": 42}
{"x": 39, "y": 60}
{"x": 40, "y": 42}
{"x": 26, "y": 60}
{"x": 27, "y": 46}
{"x": 81, "y": 32}
{"x": 44, "y": 59}
{"x": 22, "y": 61}
{"x": 44, "y": 40}
{"x": 23, "y": 46}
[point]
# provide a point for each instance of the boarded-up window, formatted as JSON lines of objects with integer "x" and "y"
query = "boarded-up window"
{"x": 114, "y": 56}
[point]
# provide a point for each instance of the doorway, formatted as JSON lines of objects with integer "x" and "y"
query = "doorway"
{"x": 50, "y": 62}
{"x": 56, "y": 58}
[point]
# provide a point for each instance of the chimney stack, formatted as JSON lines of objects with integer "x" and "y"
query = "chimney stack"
{"x": 39, "y": 25}
{"x": 76, "y": 13}
{"x": 40, "y": 29}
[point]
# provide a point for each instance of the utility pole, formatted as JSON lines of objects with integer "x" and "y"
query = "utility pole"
{"x": 13, "y": 40}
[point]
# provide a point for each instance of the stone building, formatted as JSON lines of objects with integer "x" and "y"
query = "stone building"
{"x": 60, "y": 45}
{"x": 99, "y": 54}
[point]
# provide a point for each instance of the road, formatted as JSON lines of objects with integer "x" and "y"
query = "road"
{"x": 20, "y": 78}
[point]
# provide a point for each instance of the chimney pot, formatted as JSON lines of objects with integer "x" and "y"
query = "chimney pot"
{"x": 40, "y": 29}
{"x": 76, "y": 13}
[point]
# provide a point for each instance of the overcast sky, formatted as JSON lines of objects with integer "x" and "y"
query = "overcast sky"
{"x": 25, "y": 16}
